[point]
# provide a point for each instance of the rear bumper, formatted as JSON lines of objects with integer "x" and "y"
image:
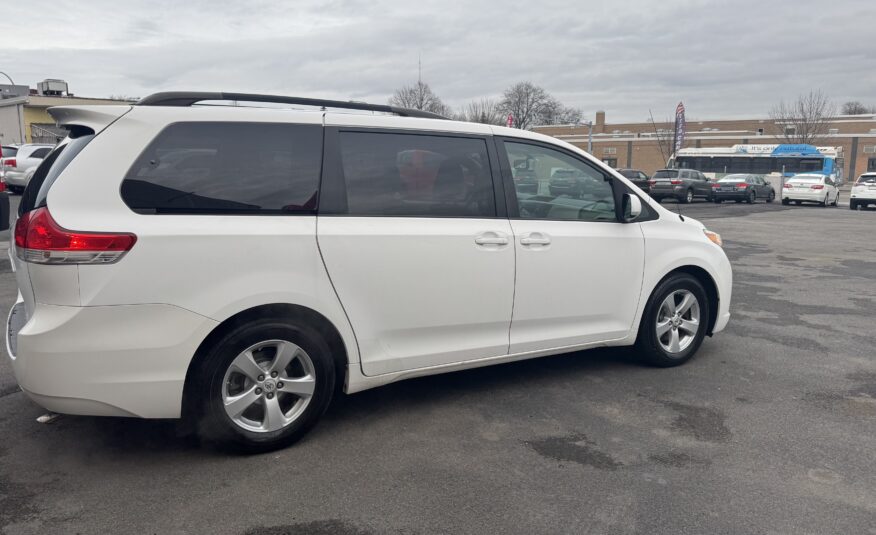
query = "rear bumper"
{"x": 128, "y": 360}
{"x": 673, "y": 191}
{"x": 729, "y": 195}
{"x": 868, "y": 196}
{"x": 815, "y": 196}
{"x": 15, "y": 178}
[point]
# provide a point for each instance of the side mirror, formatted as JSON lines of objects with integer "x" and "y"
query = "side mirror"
{"x": 632, "y": 207}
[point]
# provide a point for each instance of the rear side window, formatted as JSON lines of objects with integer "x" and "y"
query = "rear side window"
{"x": 227, "y": 168}
{"x": 47, "y": 172}
{"x": 40, "y": 153}
{"x": 416, "y": 175}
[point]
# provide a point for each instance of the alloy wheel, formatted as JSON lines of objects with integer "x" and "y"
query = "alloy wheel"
{"x": 268, "y": 385}
{"x": 678, "y": 321}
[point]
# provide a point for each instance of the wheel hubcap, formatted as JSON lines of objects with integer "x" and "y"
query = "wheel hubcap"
{"x": 268, "y": 386}
{"x": 678, "y": 321}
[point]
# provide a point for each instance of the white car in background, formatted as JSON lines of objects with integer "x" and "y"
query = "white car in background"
{"x": 863, "y": 192}
{"x": 14, "y": 168}
{"x": 810, "y": 187}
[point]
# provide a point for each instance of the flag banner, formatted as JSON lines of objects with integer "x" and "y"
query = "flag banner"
{"x": 679, "y": 126}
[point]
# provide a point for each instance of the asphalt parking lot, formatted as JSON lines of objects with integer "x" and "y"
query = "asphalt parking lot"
{"x": 770, "y": 429}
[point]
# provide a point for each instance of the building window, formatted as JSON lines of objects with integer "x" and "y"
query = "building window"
{"x": 790, "y": 130}
{"x": 871, "y": 165}
{"x": 760, "y": 131}
{"x": 611, "y": 162}
{"x": 609, "y": 150}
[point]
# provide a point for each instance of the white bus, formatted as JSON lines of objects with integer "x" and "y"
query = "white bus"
{"x": 777, "y": 159}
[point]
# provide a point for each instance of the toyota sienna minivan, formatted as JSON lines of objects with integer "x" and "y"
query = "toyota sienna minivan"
{"x": 239, "y": 265}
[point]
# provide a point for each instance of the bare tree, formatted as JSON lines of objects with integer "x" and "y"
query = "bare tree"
{"x": 527, "y": 103}
{"x": 805, "y": 120}
{"x": 665, "y": 137}
{"x": 854, "y": 107}
{"x": 485, "y": 111}
{"x": 558, "y": 113}
{"x": 419, "y": 97}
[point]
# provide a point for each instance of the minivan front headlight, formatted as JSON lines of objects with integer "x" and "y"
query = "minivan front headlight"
{"x": 714, "y": 237}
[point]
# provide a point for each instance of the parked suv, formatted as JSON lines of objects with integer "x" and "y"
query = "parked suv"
{"x": 15, "y": 168}
{"x": 683, "y": 184}
{"x": 161, "y": 275}
{"x": 638, "y": 178}
{"x": 863, "y": 192}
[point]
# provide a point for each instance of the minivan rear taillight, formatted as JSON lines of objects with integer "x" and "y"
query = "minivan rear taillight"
{"x": 39, "y": 239}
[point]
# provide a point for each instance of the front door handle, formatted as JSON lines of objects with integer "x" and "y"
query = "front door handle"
{"x": 535, "y": 238}
{"x": 491, "y": 238}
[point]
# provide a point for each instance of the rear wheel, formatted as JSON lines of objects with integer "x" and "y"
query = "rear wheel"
{"x": 786, "y": 202}
{"x": 263, "y": 385}
{"x": 836, "y": 200}
{"x": 674, "y": 322}
{"x": 752, "y": 196}
{"x": 823, "y": 203}
{"x": 853, "y": 205}
{"x": 718, "y": 201}
{"x": 772, "y": 196}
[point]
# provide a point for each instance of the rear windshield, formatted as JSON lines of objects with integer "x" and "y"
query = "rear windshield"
{"x": 629, "y": 173}
{"x": 666, "y": 173}
{"x": 9, "y": 152}
{"x": 803, "y": 178}
{"x": 734, "y": 178}
{"x": 47, "y": 172}
{"x": 866, "y": 179}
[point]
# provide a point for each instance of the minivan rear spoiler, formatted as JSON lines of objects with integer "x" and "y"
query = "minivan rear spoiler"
{"x": 95, "y": 118}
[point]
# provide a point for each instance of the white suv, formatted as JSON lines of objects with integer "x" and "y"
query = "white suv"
{"x": 162, "y": 274}
{"x": 14, "y": 169}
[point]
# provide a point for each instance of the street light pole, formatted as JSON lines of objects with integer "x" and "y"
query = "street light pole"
{"x": 7, "y": 77}
{"x": 589, "y": 125}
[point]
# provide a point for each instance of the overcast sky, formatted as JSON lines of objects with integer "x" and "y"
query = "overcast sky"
{"x": 723, "y": 59}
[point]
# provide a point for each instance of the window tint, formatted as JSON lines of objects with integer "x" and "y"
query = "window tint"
{"x": 47, "y": 172}
{"x": 566, "y": 188}
{"x": 416, "y": 175}
{"x": 9, "y": 152}
{"x": 227, "y": 168}
{"x": 40, "y": 152}
{"x": 666, "y": 173}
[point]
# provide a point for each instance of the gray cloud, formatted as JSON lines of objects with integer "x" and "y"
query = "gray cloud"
{"x": 723, "y": 59}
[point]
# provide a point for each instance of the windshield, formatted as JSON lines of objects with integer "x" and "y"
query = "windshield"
{"x": 734, "y": 178}
{"x": 628, "y": 173}
{"x": 866, "y": 179}
{"x": 666, "y": 173}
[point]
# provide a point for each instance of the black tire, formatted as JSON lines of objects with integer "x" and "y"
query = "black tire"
{"x": 216, "y": 427}
{"x": 648, "y": 346}
{"x": 688, "y": 197}
{"x": 836, "y": 200}
{"x": 718, "y": 201}
{"x": 738, "y": 200}
{"x": 752, "y": 196}
{"x": 771, "y": 197}
{"x": 798, "y": 203}
{"x": 824, "y": 202}
{"x": 853, "y": 205}
{"x": 786, "y": 202}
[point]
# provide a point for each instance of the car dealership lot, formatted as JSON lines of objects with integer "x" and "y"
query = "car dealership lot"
{"x": 770, "y": 428}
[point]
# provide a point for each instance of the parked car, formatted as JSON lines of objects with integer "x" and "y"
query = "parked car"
{"x": 863, "y": 191}
{"x": 682, "y": 184}
{"x": 742, "y": 187}
{"x": 206, "y": 289}
{"x": 638, "y": 178}
{"x": 8, "y": 151}
{"x": 15, "y": 168}
{"x": 810, "y": 187}
{"x": 574, "y": 183}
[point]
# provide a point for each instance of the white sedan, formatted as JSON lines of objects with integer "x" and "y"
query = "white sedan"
{"x": 810, "y": 188}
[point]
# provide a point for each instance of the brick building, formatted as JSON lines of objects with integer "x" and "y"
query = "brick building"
{"x": 642, "y": 146}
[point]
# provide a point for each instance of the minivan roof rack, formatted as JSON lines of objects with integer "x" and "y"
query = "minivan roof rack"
{"x": 188, "y": 98}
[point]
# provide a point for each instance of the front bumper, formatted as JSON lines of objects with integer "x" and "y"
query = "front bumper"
{"x": 126, "y": 360}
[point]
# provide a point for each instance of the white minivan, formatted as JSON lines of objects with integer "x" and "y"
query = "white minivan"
{"x": 238, "y": 265}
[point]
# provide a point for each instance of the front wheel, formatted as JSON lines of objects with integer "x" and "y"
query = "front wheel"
{"x": 674, "y": 322}
{"x": 688, "y": 197}
{"x": 263, "y": 385}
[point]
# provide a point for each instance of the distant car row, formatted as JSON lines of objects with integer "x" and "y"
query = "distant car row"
{"x": 18, "y": 162}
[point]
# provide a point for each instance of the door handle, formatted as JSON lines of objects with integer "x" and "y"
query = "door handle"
{"x": 535, "y": 238}
{"x": 491, "y": 238}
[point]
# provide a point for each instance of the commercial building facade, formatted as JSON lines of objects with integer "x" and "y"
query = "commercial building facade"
{"x": 646, "y": 146}
{"x": 24, "y": 119}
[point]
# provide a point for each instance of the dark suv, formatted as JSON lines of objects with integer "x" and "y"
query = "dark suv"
{"x": 683, "y": 184}
{"x": 638, "y": 178}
